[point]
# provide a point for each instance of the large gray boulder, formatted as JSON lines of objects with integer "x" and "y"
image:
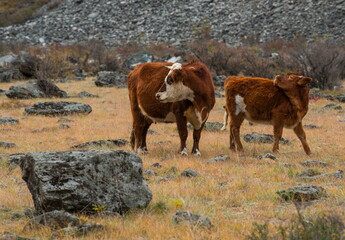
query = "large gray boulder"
{"x": 34, "y": 90}
{"x": 84, "y": 181}
{"x": 58, "y": 108}
{"x": 302, "y": 193}
{"x": 110, "y": 79}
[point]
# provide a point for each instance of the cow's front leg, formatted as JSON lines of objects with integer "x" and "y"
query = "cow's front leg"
{"x": 181, "y": 122}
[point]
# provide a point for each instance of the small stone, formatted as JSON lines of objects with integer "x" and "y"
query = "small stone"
{"x": 8, "y": 121}
{"x": 172, "y": 170}
{"x": 268, "y": 155}
{"x": 64, "y": 126}
{"x": 117, "y": 142}
{"x": 213, "y": 126}
{"x": 311, "y": 126}
{"x": 65, "y": 120}
{"x": 310, "y": 163}
{"x": 219, "y": 158}
{"x": 189, "y": 173}
{"x": 308, "y": 173}
{"x": 150, "y": 131}
{"x": 54, "y": 219}
{"x": 7, "y": 145}
{"x": 192, "y": 218}
{"x": 156, "y": 165}
{"x": 150, "y": 172}
{"x": 84, "y": 94}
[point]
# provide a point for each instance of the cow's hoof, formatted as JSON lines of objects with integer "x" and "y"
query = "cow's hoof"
{"x": 223, "y": 128}
{"x": 184, "y": 152}
{"x": 142, "y": 151}
{"x": 197, "y": 153}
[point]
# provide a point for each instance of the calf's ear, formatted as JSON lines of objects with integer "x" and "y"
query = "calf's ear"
{"x": 277, "y": 78}
{"x": 304, "y": 81}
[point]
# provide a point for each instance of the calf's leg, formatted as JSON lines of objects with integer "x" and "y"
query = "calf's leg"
{"x": 278, "y": 132}
{"x": 302, "y": 137}
{"x": 235, "y": 140}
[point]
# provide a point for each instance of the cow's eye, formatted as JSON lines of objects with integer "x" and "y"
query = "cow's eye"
{"x": 169, "y": 80}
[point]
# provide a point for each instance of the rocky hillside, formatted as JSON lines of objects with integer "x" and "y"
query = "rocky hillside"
{"x": 179, "y": 21}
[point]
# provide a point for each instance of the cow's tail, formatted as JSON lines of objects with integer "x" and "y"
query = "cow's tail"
{"x": 132, "y": 139}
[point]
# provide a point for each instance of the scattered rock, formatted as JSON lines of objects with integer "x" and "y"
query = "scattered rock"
{"x": 218, "y": 94}
{"x": 308, "y": 173}
{"x": 78, "y": 180}
{"x": 84, "y": 94}
{"x": 302, "y": 193}
{"x": 332, "y": 106}
{"x": 65, "y": 120}
{"x": 27, "y": 64}
{"x": 268, "y": 155}
{"x": 311, "y": 163}
{"x": 64, "y": 126}
{"x": 55, "y": 219}
{"x": 219, "y": 158}
{"x": 33, "y": 90}
{"x": 311, "y": 126}
{"x": 110, "y": 79}
{"x": 339, "y": 174}
{"x": 10, "y": 236}
{"x": 110, "y": 142}
{"x": 7, "y": 145}
{"x": 156, "y": 165}
{"x": 78, "y": 231}
{"x": 192, "y": 218}
{"x": 2, "y": 92}
{"x": 150, "y": 131}
{"x": 213, "y": 126}
{"x": 262, "y": 138}
{"x": 138, "y": 58}
{"x": 219, "y": 80}
{"x": 189, "y": 173}
{"x": 150, "y": 172}
{"x": 342, "y": 120}
{"x": 8, "y": 121}
{"x": 58, "y": 108}
{"x": 162, "y": 142}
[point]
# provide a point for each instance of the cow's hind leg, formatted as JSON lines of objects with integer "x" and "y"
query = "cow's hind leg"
{"x": 235, "y": 125}
{"x": 139, "y": 132}
{"x": 302, "y": 137}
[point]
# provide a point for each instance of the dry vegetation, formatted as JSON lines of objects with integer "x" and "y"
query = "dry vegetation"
{"x": 234, "y": 194}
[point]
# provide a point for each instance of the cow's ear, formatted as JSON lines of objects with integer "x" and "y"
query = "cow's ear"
{"x": 304, "y": 81}
{"x": 276, "y": 79}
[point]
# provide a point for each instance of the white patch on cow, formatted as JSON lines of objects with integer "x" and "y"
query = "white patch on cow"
{"x": 141, "y": 151}
{"x": 169, "y": 118}
{"x": 194, "y": 117}
{"x": 240, "y": 105}
{"x": 197, "y": 153}
{"x": 184, "y": 152}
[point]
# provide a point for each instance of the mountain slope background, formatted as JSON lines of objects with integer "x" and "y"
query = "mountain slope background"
{"x": 177, "y": 22}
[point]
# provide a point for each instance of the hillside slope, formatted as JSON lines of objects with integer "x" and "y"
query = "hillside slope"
{"x": 177, "y": 21}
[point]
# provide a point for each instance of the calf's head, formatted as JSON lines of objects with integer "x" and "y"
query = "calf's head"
{"x": 174, "y": 88}
{"x": 291, "y": 81}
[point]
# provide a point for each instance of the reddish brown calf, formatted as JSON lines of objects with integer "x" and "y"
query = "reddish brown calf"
{"x": 167, "y": 92}
{"x": 282, "y": 102}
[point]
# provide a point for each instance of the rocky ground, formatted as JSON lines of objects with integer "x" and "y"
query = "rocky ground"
{"x": 177, "y": 22}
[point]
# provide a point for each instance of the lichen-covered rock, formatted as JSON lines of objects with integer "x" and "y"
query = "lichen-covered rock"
{"x": 58, "y": 108}
{"x": 219, "y": 158}
{"x": 77, "y": 181}
{"x": 110, "y": 79}
{"x": 80, "y": 230}
{"x": 7, "y": 145}
{"x": 213, "y": 126}
{"x": 268, "y": 155}
{"x": 310, "y": 163}
{"x": 189, "y": 173}
{"x": 55, "y": 219}
{"x": 262, "y": 138}
{"x": 110, "y": 142}
{"x": 33, "y": 90}
{"x": 192, "y": 218}
{"x": 8, "y": 121}
{"x": 302, "y": 193}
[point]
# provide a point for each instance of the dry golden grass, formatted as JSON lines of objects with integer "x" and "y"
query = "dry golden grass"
{"x": 233, "y": 194}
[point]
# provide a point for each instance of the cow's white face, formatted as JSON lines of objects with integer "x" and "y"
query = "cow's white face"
{"x": 173, "y": 89}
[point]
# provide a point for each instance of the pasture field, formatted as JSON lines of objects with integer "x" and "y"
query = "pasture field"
{"x": 233, "y": 194}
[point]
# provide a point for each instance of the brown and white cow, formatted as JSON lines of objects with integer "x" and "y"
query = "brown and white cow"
{"x": 167, "y": 92}
{"x": 282, "y": 102}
